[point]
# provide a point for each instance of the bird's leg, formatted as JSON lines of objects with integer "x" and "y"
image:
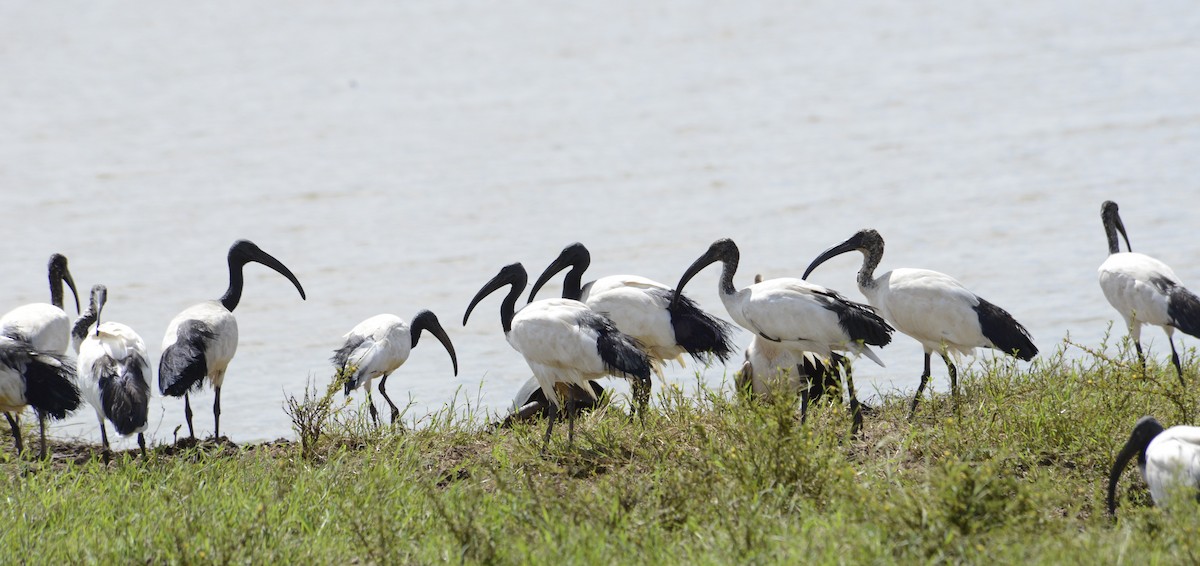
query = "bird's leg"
{"x": 187, "y": 414}
{"x": 104, "y": 441}
{"x": 16, "y": 431}
{"x": 953, "y": 375}
{"x": 920, "y": 388}
{"x": 382, "y": 391}
{"x": 42, "y": 425}
{"x": 1137, "y": 344}
{"x": 142, "y": 444}
{"x": 855, "y": 410}
{"x": 371, "y": 406}
{"x": 217, "y": 414}
{"x": 1175, "y": 360}
{"x": 550, "y": 426}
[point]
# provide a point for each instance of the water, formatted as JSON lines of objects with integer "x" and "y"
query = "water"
{"x": 396, "y": 155}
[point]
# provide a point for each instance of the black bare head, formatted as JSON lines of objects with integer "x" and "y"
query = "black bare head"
{"x": 59, "y": 274}
{"x": 427, "y": 321}
{"x": 98, "y": 300}
{"x": 243, "y": 252}
{"x": 867, "y": 241}
{"x": 512, "y": 274}
{"x": 1112, "y": 225}
{"x": 1143, "y": 432}
{"x": 575, "y": 256}
{"x": 723, "y": 250}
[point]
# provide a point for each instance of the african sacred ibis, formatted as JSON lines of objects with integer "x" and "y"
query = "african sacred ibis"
{"x": 531, "y": 402}
{"x": 644, "y": 309}
{"x": 379, "y": 345}
{"x": 564, "y": 342}
{"x": 113, "y": 370}
{"x": 933, "y": 308}
{"x": 1168, "y": 459}
{"x": 46, "y": 327}
{"x": 201, "y": 340}
{"x": 1145, "y": 290}
{"x": 42, "y": 380}
{"x": 794, "y": 314}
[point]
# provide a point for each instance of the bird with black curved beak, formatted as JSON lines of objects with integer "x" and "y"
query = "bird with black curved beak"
{"x": 201, "y": 340}
{"x": 46, "y": 327}
{"x": 933, "y": 308}
{"x": 1169, "y": 460}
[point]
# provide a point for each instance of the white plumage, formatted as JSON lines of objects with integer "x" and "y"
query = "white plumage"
{"x": 113, "y": 372}
{"x": 44, "y": 381}
{"x": 933, "y": 308}
{"x": 1145, "y": 290}
{"x": 44, "y": 326}
{"x": 1169, "y": 460}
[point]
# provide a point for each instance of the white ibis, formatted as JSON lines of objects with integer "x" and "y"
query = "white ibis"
{"x": 531, "y": 402}
{"x": 379, "y": 345}
{"x": 42, "y": 380}
{"x": 564, "y": 342}
{"x": 46, "y": 327}
{"x": 933, "y": 308}
{"x": 795, "y": 314}
{"x": 202, "y": 339}
{"x": 643, "y": 308}
{"x": 113, "y": 371}
{"x": 1168, "y": 459}
{"x": 1145, "y": 290}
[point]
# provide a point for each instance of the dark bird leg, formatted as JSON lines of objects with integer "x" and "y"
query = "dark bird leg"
{"x": 16, "y": 431}
{"x": 953, "y": 375}
{"x": 187, "y": 414}
{"x": 550, "y": 426}
{"x": 42, "y": 425}
{"x": 104, "y": 440}
{"x": 382, "y": 391}
{"x": 371, "y": 406}
{"x": 1175, "y": 360}
{"x": 855, "y": 409}
{"x": 142, "y": 444}
{"x": 1137, "y": 344}
{"x": 920, "y": 388}
{"x": 217, "y": 414}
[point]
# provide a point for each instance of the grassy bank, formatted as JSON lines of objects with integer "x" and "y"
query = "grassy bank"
{"x": 1016, "y": 472}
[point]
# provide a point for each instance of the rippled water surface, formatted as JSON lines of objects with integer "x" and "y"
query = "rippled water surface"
{"x": 396, "y": 155}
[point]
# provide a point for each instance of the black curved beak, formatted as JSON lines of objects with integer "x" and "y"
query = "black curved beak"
{"x": 427, "y": 321}
{"x": 251, "y": 252}
{"x": 1121, "y": 228}
{"x": 714, "y": 254}
{"x": 575, "y": 256}
{"x": 70, "y": 281}
{"x": 849, "y": 245}
{"x": 512, "y": 274}
{"x": 1128, "y": 452}
{"x": 99, "y": 299}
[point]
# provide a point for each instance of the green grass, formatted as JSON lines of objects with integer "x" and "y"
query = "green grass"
{"x": 1014, "y": 472}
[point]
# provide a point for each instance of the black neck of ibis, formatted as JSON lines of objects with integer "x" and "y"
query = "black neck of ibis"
{"x": 867, "y": 241}
{"x": 90, "y": 316}
{"x": 1143, "y": 432}
{"x": 512, "y": 274}
{"x": 575, "y": 256}
{"x": 1112, "y": 224}
{"x": 58, "y": 274}
{"x": 724, "y": 251}
{"x": 241, "y": 253}
{"x": 428, "y": 322}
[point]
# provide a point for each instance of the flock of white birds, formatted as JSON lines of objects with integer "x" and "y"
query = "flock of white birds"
{"x": 621, "y": 325}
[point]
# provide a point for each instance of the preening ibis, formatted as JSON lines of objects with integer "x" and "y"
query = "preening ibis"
{"x": 1145, "y": 290}
{"x": 564, "y": 342}
{"x": 644, "y": 309}
{"x": 796, "y": 315}
{"x": 379, "y": 345}
{"x": 46, "y": 327}
{"x": 933, "y": 308}
{"x": 531, "y": 402}
{"x": 113, "y": 371}
{"x": 42, "y": 380}
{"x": 1168, "y": 459}
{"x": 202, "y": 339}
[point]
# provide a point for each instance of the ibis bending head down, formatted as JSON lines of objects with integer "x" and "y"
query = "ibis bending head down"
{"x": 201, "y": 340}
{"x": 379, "y": 345}
{"x": 113, "y": 371}
{"x": 42, "y": 380}
{"x": 46, "y": 327}
{"x": 564, "y": 342}
{"x": 531, "y": 402}
{"x": 1145, "y": 290}
{"x": 1168, "y": 459}
{"x": 644, "y": 309}
{"x": 933, "y": 308}
{"x": 796, "y": 315}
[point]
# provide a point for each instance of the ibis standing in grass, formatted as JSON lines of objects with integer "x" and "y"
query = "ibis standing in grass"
{"x": 644, "y": 309}
{"x": 113, "y": 372}
{"x": 1145, "y": 290}
{"x": 46, "y": 327}
{"x": 564, "y": 342}
{"x": 33, "y": 378}
{"x": 202, "y": 339}
{"x": 531, "y": 402}
{"x": 379, "y": 345}
{"x": 1168, "y": 459}
{"x": 933, "y": 308}
{"x": 796, "y": 315}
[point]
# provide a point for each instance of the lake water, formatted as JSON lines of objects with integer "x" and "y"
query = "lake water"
{"x": 396, "y": 154}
